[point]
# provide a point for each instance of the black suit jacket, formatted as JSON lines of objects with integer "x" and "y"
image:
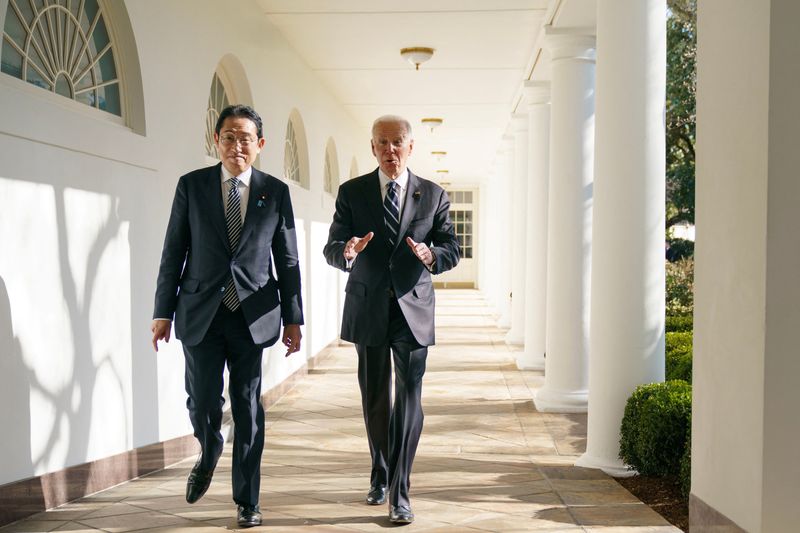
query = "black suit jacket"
{"x": 196, "y": 260}
{"x": 380, "y": 271}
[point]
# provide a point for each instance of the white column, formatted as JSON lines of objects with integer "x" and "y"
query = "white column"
{"x": 519, "y": 128}
{"x": 569, "y": 220}
{"x": 627, "y": 330}
{"x": 537, "y": 95}
{"x": 505, "y": 238}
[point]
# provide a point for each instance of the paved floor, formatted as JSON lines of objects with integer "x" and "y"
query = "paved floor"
{"x": 487, "y": 460}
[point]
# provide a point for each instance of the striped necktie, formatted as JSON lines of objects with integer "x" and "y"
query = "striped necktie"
{"x": 391, "y": 213}
{"x": 233, "y": 219}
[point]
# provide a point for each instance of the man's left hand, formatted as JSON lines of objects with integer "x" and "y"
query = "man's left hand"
{"x": 421, "y": 250}
{"x": 291, "y": 338}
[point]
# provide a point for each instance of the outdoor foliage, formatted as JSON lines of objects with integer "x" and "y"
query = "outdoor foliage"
{"x": 655, "y": 426}
{"x": 686, "y": 465}
{"x": 679, "y": 323}
{"x": 680, "y": 287}
{"x": 679, "y": 355}
{"x": 679, "y": 249}
{"x": 680, "y": 110}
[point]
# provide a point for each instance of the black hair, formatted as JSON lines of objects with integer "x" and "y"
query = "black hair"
{"x": 240, "y": 111}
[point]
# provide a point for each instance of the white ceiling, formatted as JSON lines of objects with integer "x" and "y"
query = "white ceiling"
{"x": 484, "y": 51}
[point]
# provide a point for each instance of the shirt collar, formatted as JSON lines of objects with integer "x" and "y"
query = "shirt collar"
{"x": 401, "y": 180}
{"x": 244, "y": 177}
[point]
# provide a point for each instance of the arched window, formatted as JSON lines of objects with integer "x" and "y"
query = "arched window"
{"x": 63, "y": 46}
{"x": 217, "y": 101}
{"x": 331, "y": 175}
{"x": 353, "y": 168}
{"x": 295, "y": 152}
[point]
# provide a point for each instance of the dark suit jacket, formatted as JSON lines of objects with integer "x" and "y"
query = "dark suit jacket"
{"x": 196, "y": 261}
{"x": 380, "y": 271}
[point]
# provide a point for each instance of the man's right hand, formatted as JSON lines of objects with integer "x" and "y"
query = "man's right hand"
{"x": 356, "y": 245}
{"x": 160, "y": 329}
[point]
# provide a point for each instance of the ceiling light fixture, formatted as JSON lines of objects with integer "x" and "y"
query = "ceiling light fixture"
{"x": 432, "y": 122}
{"x": 416, "y": 55}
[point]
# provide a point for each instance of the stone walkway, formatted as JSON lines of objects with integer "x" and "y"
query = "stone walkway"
{"x": 487, "y": 460}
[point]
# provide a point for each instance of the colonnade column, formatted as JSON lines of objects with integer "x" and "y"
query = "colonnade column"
{"x": 537, "y": 96}
{"x": 519, "y": 178}
{"x": 569, "y": 220}
{"x": 504, "y": 259}
{"x": 627, "y": 331}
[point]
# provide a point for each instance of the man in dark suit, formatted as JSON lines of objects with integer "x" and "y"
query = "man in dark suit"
{"x": 391, "y": 231}
{"x": 216, "y": 279}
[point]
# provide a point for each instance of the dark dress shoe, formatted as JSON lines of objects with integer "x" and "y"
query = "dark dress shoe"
{"x": 248, "y": 516}
{"x": 400, "y": 514}
{"x": 376, "y": 495}
{"x": 198, "y": 482}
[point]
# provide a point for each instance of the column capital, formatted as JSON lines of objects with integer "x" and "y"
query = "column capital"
{"x": 570, "y": 43}
{"x": 536, "y": 92}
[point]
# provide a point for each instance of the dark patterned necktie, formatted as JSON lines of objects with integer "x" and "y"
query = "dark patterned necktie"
{"x": 233, "y": 219}
{"x": 391, "y": 212}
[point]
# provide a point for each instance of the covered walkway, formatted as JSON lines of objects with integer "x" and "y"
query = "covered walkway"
{"x": 487, "y": 460}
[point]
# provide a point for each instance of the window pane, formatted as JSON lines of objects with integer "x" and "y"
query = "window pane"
{"x": 62, "y": 87}
{"x": 468, "y": 216}
{"x": 14, "y": 28}
{"x": 109, "y": 99}
{"x": 87, "y": 98}
{"x": 12, "y": 61}
{"x": 105, "y": 67}
{"x": 35, "y": 78}
{"x": 24, "y": 8}
{"x": 468, "y": 197}
{"x": 85, "y": 81}
{"x": 89, "y": 11}
{"x": 99, "y": 37}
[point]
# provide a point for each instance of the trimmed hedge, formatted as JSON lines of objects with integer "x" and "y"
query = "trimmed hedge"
{"x": 679, "y": 355}
{"x": 679, "y": 323}
{"x": 655, "y": 427}
{"x": 685, "y": 475}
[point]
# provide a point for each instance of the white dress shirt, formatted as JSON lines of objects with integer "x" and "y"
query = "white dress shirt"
{"x": 244, "y": 188}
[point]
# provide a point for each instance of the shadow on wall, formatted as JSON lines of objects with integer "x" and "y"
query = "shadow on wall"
{"x": 46, "y": 424}
{"x": 15, "y": 385}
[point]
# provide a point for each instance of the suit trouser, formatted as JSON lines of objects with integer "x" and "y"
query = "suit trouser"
{"x": 228, "y": 340}
{"x": 393, "y": 432}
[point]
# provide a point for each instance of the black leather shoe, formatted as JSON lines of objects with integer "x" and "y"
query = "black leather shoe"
{"x": 400, "y": 514}
{"x": 248, "y": 516}
{"x": 198, "y": 482}
{"x": 376, "y": 495}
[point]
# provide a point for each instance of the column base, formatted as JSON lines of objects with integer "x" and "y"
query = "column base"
{"x": 515, "y": 337}
{"x": 529, "y": 361}
{"x": 614, "y": 468}
{"x": 550, "y": 401}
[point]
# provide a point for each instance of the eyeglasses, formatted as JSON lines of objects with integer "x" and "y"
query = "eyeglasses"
{"x": 229, "y": 139}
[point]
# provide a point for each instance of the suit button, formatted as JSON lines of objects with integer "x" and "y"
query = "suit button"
{"x": 222, "y": 289}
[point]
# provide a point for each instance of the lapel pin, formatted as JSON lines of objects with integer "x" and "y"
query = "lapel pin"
{"x": 416, "y": 195}
{"x": 262, "y": 201}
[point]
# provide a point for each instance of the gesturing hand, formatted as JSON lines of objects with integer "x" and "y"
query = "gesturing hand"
{"x": 356, "y": 245}
{"x": 421, "y": 250}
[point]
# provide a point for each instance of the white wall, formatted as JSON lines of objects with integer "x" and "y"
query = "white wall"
{"x": 84, "y": 202}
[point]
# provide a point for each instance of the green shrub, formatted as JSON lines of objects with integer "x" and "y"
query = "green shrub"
{"x": 679, "y": 323}
{"x": 685, "y": 476}
{"x": 654, "y": 427}
{"x": 679, "y": 249}
{"x": 680, "y": 287}
{"x": 679, "y": 356}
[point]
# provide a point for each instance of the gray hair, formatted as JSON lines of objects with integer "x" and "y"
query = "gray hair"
{"x": 393, "y": 119}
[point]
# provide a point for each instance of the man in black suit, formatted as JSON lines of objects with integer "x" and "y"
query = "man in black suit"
{"x": 391, "y": 231}
{"x": 216, "y": 279}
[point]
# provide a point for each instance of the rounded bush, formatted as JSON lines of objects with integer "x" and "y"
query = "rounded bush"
{"x": 654, "y": 427}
